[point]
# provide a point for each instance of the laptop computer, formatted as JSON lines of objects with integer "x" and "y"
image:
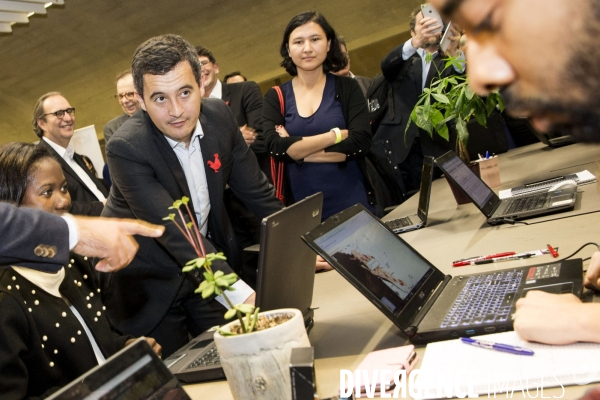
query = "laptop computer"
{"x": 135, "y": 372}
{"x": 418, "y": 220}
{"x": 286, "y": 276}
{"x": 507, "y": 210}
{"x": 416, "y": 296}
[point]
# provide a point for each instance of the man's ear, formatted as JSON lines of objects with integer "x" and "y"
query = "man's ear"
{"x": 202, "y": 81}
{"x": 41, "y": 123}
{"x": 412, "y": 33}
{"x": 216, "y": 68}
{"x": 141, "y": 100}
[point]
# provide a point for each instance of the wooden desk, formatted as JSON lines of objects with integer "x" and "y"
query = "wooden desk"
{"x": 347, "y": 326}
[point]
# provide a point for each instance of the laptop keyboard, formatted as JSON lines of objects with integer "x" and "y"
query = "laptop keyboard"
{"x": 211, "y": 357}
{"x": 399, "y": 223}
{"x": 526, "y": 203}
{"x": 484, "y": 299}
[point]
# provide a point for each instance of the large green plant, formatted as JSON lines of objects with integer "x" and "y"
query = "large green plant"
{"x": 451, "y": 99}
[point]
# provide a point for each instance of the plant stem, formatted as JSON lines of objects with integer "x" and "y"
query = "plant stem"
{"x": 196, "y": 230}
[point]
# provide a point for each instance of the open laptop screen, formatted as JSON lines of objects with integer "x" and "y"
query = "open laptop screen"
{"x": 477, "y": 190}
{"x": 425, "y": 190}
{"x": 377, "y": 259}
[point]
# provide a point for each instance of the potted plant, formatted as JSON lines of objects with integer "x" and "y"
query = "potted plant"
{"x": 255, "y": 348}
{"x": 451, "y": 99}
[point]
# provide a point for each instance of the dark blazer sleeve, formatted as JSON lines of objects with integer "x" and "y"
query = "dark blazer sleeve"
{"x": 252, "y": 102}
{"x": 354, "y": 108}
{"x": 24, "y": 229}
{"x": 392, "y": 63}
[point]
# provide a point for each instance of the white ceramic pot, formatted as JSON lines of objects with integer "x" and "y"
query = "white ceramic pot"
{"x": 257, "y": 364}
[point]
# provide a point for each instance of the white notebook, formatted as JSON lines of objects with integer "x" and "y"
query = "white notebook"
{"x": 488, "y": 371}
{"x": 582, "y": 178}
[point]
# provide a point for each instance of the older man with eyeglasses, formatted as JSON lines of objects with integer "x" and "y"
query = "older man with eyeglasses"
{"x": 54, "y": 123}
{"x": 128, "y": 101}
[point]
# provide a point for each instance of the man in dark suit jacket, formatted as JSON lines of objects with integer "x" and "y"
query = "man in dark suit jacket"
{"x": 363, "y": 81}
{"x": 408, "y": 71}
{"x": 177, "y": 146}
{"x": 54, "y": 124}
{"x": 127, "y": 100}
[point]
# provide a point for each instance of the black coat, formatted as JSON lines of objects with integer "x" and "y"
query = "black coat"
{"x": 43, "y": 345}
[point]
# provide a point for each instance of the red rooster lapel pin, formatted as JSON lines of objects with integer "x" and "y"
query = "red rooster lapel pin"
{"x": 216, "y": 164}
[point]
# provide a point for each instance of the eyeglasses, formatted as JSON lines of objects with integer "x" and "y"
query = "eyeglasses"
{"x": 61, "y": 113}
{"x": 203, "y": 63}
{"x": 128, "y": 96}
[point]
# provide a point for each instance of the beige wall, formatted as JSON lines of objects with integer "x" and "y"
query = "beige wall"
{"x": 78, "y": 48}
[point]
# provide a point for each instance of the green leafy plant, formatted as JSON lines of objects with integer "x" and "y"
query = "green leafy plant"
{"x": 216, "y": 283}
{"x": 451, "y": 99}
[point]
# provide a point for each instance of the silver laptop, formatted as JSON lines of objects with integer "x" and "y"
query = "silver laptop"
{"x": 509, "y": 210}
{"x": 135, "y": 372}
{"x": 418, "y": 220}
{"x": 416, "y": 296}
{"x": 286, "y": 275}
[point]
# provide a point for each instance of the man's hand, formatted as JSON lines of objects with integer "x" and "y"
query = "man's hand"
{"x": 454, "y": 37}
{"x": 592, "y": 277}
{"x": 428, "y": 26}
{"x": 152, "y": 342}
{"x": 248, "y": 133}
{"x": 111, "y": 240}
{"x": 554, "y": 318}
{"x": 251, "y": 299}
{"x": 322, "y": 265}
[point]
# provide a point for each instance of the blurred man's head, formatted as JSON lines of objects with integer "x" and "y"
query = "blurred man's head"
{"x": 126, "y": 93}
{"x": 542, "y": 54}
{"x": 346, "y": 70}
{"x": 234, "y": 77}
{"x": 210, "y": 69}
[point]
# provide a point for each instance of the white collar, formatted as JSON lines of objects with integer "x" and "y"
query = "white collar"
{"x": 64, "y": 153}
{"x": 217, "y": 92}
{"x": 48, "y": 281}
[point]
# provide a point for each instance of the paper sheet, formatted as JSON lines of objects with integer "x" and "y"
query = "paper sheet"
{"x": 489, "y": 371}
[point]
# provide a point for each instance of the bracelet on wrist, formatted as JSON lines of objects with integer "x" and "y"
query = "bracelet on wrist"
{"x": 338, "y": 134}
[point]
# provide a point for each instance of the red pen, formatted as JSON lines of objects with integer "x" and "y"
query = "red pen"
{"x": 552, "y": 251}
{"x": 464, "y": 262}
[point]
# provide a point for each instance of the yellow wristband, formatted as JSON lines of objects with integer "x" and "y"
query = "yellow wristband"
{"x": 338, "y": 134}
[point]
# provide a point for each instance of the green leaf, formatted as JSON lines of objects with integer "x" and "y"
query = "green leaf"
{"x": 188, "y": 268}
{"x": 208, "y": 276}
{"x": 441, "y": 98}
{"x": 190, "y": 225}
{"x": 185, "y": 200}
{"x": 170, "y": 217}
{"x": 231, "y": 278}
{"x": 424, "y": 122}
{"x": 222, "y": 283}
{"x": 469, "y": 93}
{"x": 177, "y": 204}
{"x": 230, "y": 313}
{"x": 443, "y": 132}
{"x": 245, "y": 308}
{"x": 226, "y": 333}
{"x": 490, "y": 104}
{"x": 219, "y": 274}
{"x": 203, "y": 285}
{"x": 208, "y": 291}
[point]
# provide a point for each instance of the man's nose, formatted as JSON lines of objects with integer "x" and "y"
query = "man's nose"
{"x": 487, "y": 68}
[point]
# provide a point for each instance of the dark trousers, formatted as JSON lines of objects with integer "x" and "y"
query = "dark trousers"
{"x": 190, "y": 314}
{"x": 412, "y": 167}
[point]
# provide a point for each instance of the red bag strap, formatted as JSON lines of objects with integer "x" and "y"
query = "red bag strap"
{"x": 277, "y": 172}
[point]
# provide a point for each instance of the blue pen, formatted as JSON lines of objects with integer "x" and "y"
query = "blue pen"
{"x": 507, "y": 348}
{"x": 487, "y": 155}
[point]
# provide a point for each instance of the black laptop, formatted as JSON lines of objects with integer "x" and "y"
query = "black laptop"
{"x": 423, "y": 302}
{"x": 135, "y": 372}
{"x": 418, "y": 220}
{"x": 499, "y": 211}
{"x": 286, "y": 276}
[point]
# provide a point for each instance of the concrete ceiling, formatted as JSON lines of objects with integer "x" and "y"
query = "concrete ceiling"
{"x": 78, "y": 48}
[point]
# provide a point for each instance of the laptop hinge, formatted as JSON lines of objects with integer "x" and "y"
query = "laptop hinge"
{"x": 412, "y": 330}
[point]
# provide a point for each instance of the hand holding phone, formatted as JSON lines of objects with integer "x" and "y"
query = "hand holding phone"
{"x": 428, "y": 11}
